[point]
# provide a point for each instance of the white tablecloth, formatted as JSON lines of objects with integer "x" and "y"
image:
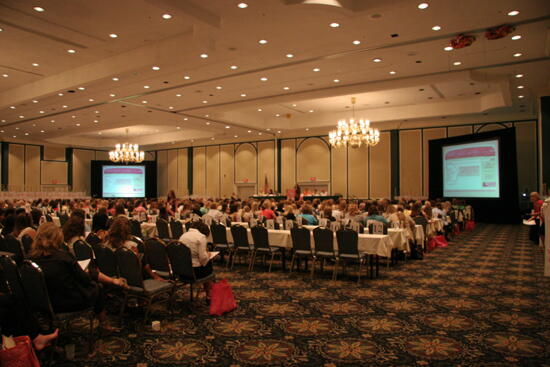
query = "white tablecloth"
{"x": 371, "y": 244}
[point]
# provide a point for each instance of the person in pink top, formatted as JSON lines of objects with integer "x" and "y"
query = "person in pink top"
{"x": 267, "y": 212}
{"x": 537, "y": 230}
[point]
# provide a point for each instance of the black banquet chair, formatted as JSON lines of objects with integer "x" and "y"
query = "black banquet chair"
{"x": 301, "y": 245}
{"x": 323, "y": 239}
{"x": 162, "y": 229}
{"x": 149, "y": 289}
{"x": 11, "y": 244}
{"x": 182, "y": 266}
{"x": 176, "y": 227}
{"x": 348, "y": 250}
{"x": 135, "y": 227}
{"x": 240, "y": 243}
{"x": 157, "y": 257}
{"x": 82, "y": 250}
{"x": 219, "y": 240}
{"x": 106, "y": 260}
{"x": 262, "y": 247}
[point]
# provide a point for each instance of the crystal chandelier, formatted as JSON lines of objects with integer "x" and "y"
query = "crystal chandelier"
{"x": 126, "y": 153}
{"x": 353, "y": 133}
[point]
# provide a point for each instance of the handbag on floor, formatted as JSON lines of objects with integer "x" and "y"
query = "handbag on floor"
{"x": 470, "y": 225}
{"x": 221, "y": 298}
{"x": 440, "y": 241}
{"x": 20, "y": 355}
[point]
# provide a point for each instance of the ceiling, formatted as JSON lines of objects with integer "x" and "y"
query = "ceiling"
{"x": 206, "y": 73}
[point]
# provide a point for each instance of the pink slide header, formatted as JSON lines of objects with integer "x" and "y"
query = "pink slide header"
{"x": 471, "y": 152}
{"x": 124, "y": 170}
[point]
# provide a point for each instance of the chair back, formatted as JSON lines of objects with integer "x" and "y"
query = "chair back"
{"x": 106, "y": 260}
{"x": 301, "y": 239}
{"x": 335, "y": 226}
{"x": 253, "y": 222}
{"x": 219, "y": 234}
{"x": 10, "y": 274}
{"x": 135, "y": 227}
{"x": 299, "y": 220}
{"x": 323, "y": 239}
{"x": 357, "y": 226}
{"x": 348, "y": 240}
{"x": 422, "y": 221}
{"x": 36, "y": 291}
{"x": 280, "y": 220}
{"x": 270, "y": 224}
{"x": 162, "y": 228}
{"x": 177, "y": 229}
{"x": 180, "y": 257}
{"x": 129, "y": 267}
{"x": 377, "y": 227}
{"x": 13, "y": 245}
{"x": 238, "y": 217}
{"x": 82, "y": 250}
{"x": 48, "y": 218}
{"x": 140, "y": 244}
{"x": 157, "y": 258}
{"x": 260, "y": 237}
{"x": 289, "y": 224}
{"x": 240, "y": 236}
{"x": 323, "y": 222}
{"x": 26, "y": 241}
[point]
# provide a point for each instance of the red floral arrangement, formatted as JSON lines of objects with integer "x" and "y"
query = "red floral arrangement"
{"x": 499, "y": 32}
{"x": 462, "y": 41}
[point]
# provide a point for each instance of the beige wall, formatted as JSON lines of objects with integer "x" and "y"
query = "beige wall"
{"x": 410, "y": 166}
{"x": 288, "y": 164}
{"x": 380, "y": 167}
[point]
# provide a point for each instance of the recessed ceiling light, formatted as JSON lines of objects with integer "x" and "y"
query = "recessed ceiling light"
{"x": 212, "y": 138}
{"x": 77, "y": 124}
{"x": 143, "y": 102}
{"x": 294, "y": 105}
{"x": 336, "y": 80}
{"x": 155, "y": 68}
{"x": 113, "y": 35}
{"x": 15, "y": 136}
{"x": 518, "y": 54}
{"x": 178, "y": 95}
{"x": 290, "y": 56}
{"x": 307, "y": 128}
{"x": 393, "y": 72}
{"x": 233, "y": 67}
{"x": 243, "y": 94}
{"x": 258, "y": 134}
{"x": 286, "y": 88}
{"x": 185, "y": 119}
{"x": 260, "y": 110}
{"x": 277, "y": 115}
{"x": 12, "y": 107}
{"x": 236, "y": 136}
{"x": 242, "y": 5}
{"x": 227, "y": 126}
{"x": 186, "y": 77}
{"x": 278, "y": 131}
{"x": 96, "y": 112}
{"x": 519, "y": 75}
{"x": 249, "y": 131}
{"x": 377, "y": 60}
{"x": 96, "y": 121}
{"x": 263, "y": 79}
{"x": 26, "y": 134}
{"x": 513, "y": 13}
{"x": 268, "y": 129}
{"x": 423, "y": 6}
{"x": 436, "y": 28}
{"x": 146, "y": 87}
{"x": 262, "y": 42}
{"x": 115, "y": 79}
{"x": 520, "y": 87}
{"x": 52, "y": 120}
{"x": 81, "y": 88}
{"x": 5, "y": 75}
{"x": 204, "y": 56}
{"x": 65, "y": 106}
{"x": 207, "y": 123}
{"x": 21, "y": 116}
{"x": 1, "y": 29}
{"x": 219, "y": 87}
{"x": 205, "y": 101}
{"x": 40, "y": 111}
{"x": 42, "y": 131}
{"x": 71, "y": 51}
{"x": 35, "y": 64}
{"x": 356, "y": 42}
{"x": 520, "y": 96}
{"x": 448, "y": 48}
{"x": 316, "y": 70}
{"x": 16, "y": 128}
{"x": 91, "y": 100}
{"x": 34, "y": 101}
{"x": 99, "y": 133}
{"x": 456, "y": 63}
{"x": 311, "y": 111}
{"x": 38, "y": 9}
{"x": 112, "y": 95}
{"x": 170, "y": 107}
{"x": 334, "y": 25}
{"x": 179, "y": 128}
{"x": 166, "y": 16}
{"x": 516, "y": 37}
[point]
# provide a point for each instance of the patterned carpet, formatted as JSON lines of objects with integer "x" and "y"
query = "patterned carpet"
{"x": 479, "y": 302}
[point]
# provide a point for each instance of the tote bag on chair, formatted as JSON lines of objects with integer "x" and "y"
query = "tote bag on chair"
{"x": 221, "y": 298}
{"x": 21, "y": 355}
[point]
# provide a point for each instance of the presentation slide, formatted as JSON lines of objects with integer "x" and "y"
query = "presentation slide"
{"x": 123, "y": 182}
{"x": 471, "y": 170}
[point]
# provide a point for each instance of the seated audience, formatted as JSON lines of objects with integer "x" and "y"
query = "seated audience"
{"x": 307, "y": 216}
{"x": 373, "y": 215}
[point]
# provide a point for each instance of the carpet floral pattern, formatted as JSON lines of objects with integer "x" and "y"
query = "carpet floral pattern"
{"x": 482, "y": 301}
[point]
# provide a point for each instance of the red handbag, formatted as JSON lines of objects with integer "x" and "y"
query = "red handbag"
{"x": 470, "y": 225}
{"x": 22, "y": 355}
{"x": 221, "y": 298}
{"x": 432, "y": 244}
{"x": 441, "y": 241}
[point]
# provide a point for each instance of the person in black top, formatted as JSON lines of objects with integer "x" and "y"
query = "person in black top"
{"x": 70, "y": 288}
